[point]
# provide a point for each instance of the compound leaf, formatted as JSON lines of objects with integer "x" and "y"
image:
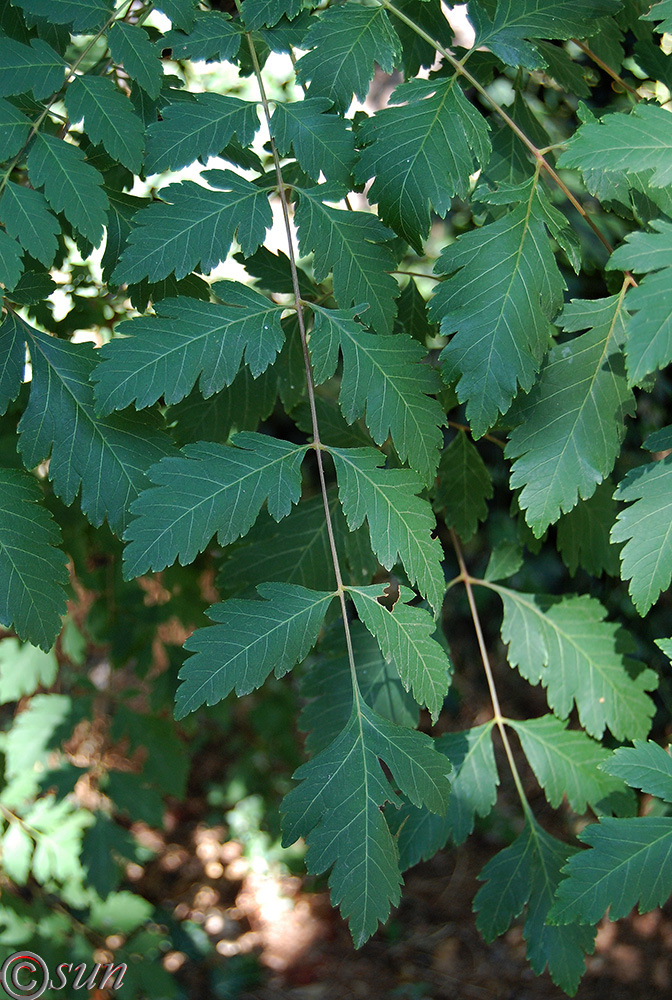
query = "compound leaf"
{"x": 346, "y": 42}
{"x": 163, "y": 355}
{"x": 26, "y": 216}
{"x": 71, "y": 185}
{"x": 337, "y": 808}
{"x": 322, "y": 142}
{"x": 565, "y": 762}
{"x": 504, "y": 288}
{"x": 572, "y": 422}
{"x": 130, "y": 46}
{"x": 421, "y": 154}
{"x": 197, "y": 129}
{"x": 578, "y": 657}
{"x": 249, "y": 639}
{"x": 629, "y": 862}
{"x": 33, "y": 570}
{"x": 648, "y": 335}
{"x": 646, "y": 528}
{"x": 14, "y": 130}
{"x": 405, "y": 637}
{"x": 383, "y": 376}
{"x": 644, "y": 765}
{"x": 464, "y": 486}
{"x": 352, "y": 244}
{"x": 34, "y": 67}
{"x": 210, "y": 488}
{"x": 193, "y": 225}
{"x": 527, "y": 872}
{"x": 108, "y": 118}
{"x": 400, "y": 522}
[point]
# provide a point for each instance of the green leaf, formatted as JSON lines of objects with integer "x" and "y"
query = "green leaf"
{"x": 84, "y": 15}
{"x": 11, "y": 264}
{"x": 17, "y": 853}
{"x": 383, "y": 376}
{"x": 71, "y": 185}
{"x": 400, "y": 523}
{"x": 421, "y": 154}
{"x": 250, "y": 639}
{"x": 130, "y": 47}
{"x": 33, "y": 571}
{"x": 33, "y": 287}
{"x": 629, "y": 863}
{"x": 163, "y": 355}
{"x": 645, "y": 765}
{"x": 405, "y": 636}
{"x": 214, "y": 36}
{"x": 583, "y": 534}
{"x": 197, "y": 129}
{"x": 58, "y": 848}
{"x": 13, "y": 359}
{"x": 180, "y": 12}
{"x": 504, "y": 290}
{"x": 660, "y": 12}
{"x": 648, "y": 340}
{"x": 210, "y": 488}
{"x": 193, "y": 225}
{"x": 27, "y": 218}
{"x": 295, "y": 551}
{"x": 336, "y": 807}
{"x": 473, "y": 791}
{"x": 572, "y": 422}
{"x": 108, "y": 118}
{"x": 34, "y": 67}
{"x": 565, "y": 762}
{"x": 412, "y": 314}
{"x": 640, "y": 140}
{"x": 646, "y": 528}
{"x": 579, "y": 658}
{"x": 352, "y": 244}
{"x": 14, "y": 130}
{"x": 464, "y": 486}
{"x": 23, "y": 668}
{"x": 511, "y": 32}
{"x": 322, "y": 142}
{"x": 241, "y": 406}
{"x": 101, "y": 841}
{"x": 107, "y": 457}
{"x": 328, "y": 685}
{"x": 34, "y": 732}
{"x": 527, "y": 872}
{"x": 346, "y": 42}
{"x": 260, "y": 13}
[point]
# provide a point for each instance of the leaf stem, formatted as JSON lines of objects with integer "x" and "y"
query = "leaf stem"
{"x": 607, "y": 69}
{"x": 500, "y": 719}
{"x": 317, "y": 444}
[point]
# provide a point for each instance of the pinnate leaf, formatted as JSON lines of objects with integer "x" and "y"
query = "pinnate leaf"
{"x": 504, "y": 288}
{"x": 345, "y": 43}
{"x": 322, "y": 142}
{"x": 210, "y": 488}
{"x": 405, "y": 637}
{"x": 337, "y": 808}
{"x": 352, "y": 245}
{"x": 648, "y": 340}
{"x": 109, "y": 118}
{"x": 249, "y": 639}
{"x": 421, "y": 154}
{"x": 130, "y": 47}
{"x": 186, "y": 339}
{"x": 198, "y": 128}
{"x": 33, "y": 67}
{"x": 14, "y": 130}
{"x": 383, "y": 376}
{"x": 644, "y": 765}
{"x": 26, "y": 216}
{"x": 32, "y": 599}
{"x": 578, "y": 657}
{"x": 400, "y": 522}
{"x": 527, "y": 873}
{"x": 464, "y": 486}
{"x": 194, "y": 226}
{"x": 646, "y": 528}
{"x": 558, "y": 455}
{"x": 629, "y": 863}
{"x": 565, "y": 762}
{"x": 71, "y": 185}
